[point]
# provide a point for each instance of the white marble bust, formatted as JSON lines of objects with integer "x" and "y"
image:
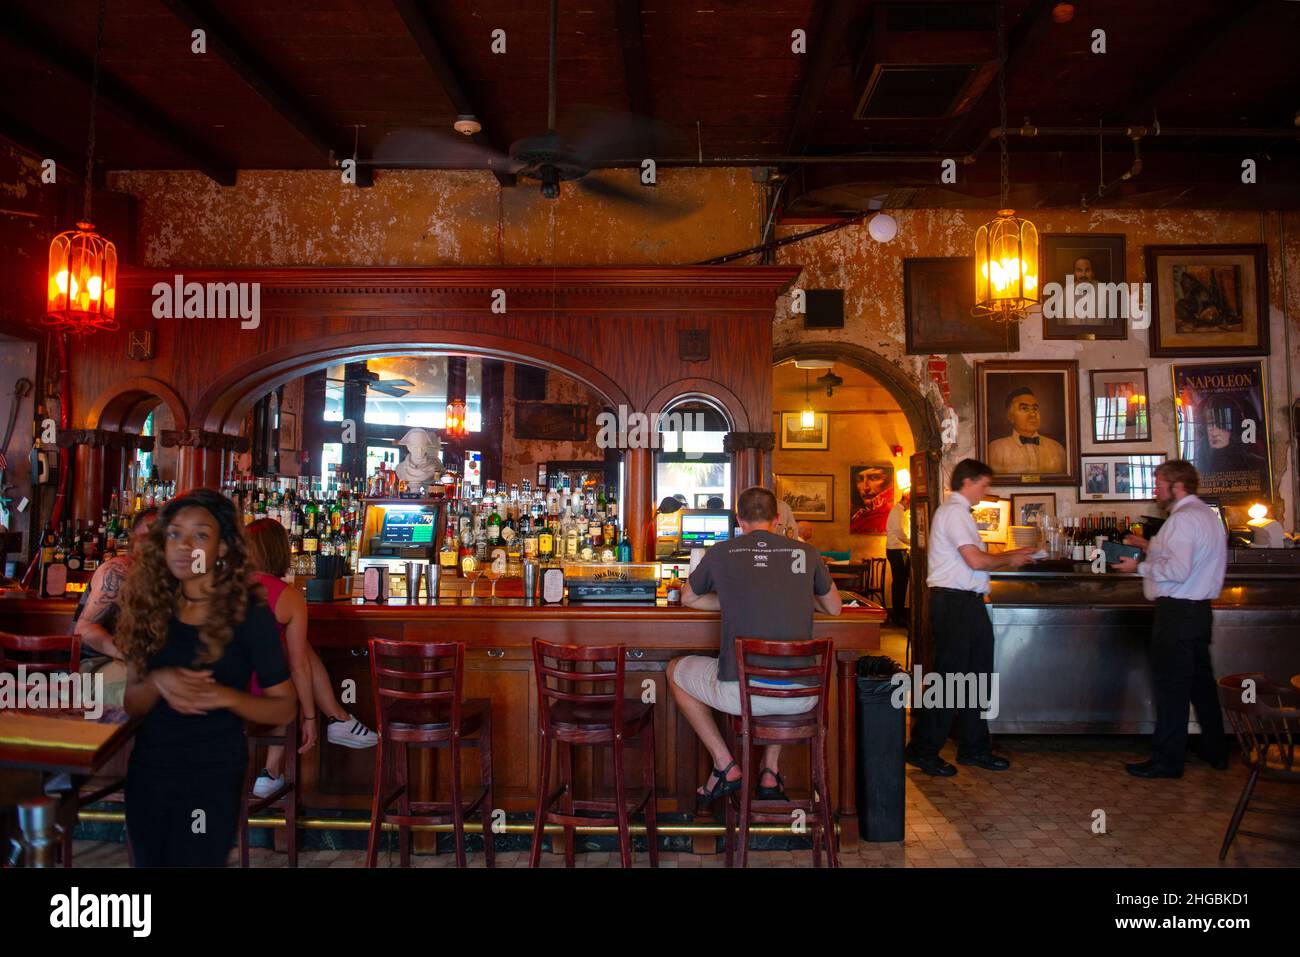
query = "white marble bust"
{"x": 423, "y": 462}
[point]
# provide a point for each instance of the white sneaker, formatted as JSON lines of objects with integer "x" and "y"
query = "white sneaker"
{"x": 350, "y": 734}
{"x": 265, "y": 785}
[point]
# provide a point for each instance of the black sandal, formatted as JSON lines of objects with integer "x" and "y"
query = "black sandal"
{"x": 722, "y": 788}
{"x": 771, "y": 794}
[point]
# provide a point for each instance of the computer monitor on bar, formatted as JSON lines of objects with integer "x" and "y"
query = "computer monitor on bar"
{"x": 703, "y": 527}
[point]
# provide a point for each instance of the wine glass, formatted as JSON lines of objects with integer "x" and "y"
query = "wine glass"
{"x": 493, "y": 573}
{"x": 472, "y": 572}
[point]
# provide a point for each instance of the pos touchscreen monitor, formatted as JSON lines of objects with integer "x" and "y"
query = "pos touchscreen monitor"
{"x": 704, "y": 527}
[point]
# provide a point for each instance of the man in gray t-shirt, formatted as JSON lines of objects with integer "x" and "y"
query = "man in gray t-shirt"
{"x": 766, "y": 586}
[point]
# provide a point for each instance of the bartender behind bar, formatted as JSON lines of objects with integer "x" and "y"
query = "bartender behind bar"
{"x": 1182, "y": 573}
{"x": 963, "y": 634}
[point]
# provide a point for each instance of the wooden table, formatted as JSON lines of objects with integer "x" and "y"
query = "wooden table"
{"x": 34, "y": 745}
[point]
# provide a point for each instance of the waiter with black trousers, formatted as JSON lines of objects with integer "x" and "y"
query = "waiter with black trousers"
{"x": 1182, "y": 573}
{"x": 958, "y": 579}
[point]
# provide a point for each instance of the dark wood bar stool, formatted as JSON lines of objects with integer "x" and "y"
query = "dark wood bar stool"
{"x": 757, "y": 731}
{"x": 418, "y": 704}
{"x": 574, "y": 711}
{"x": 287, "y": 797}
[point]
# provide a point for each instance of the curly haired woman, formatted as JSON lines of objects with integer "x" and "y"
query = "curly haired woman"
{"x": 193, "y": 636}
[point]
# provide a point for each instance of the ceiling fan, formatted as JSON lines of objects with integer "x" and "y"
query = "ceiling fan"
{"x": 587, "y": 139}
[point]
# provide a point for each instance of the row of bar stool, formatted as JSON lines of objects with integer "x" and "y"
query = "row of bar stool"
{"x": 418, "y": 703}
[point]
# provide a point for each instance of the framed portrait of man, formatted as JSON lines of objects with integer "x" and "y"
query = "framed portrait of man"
{"x": 871, "y": 496}
{"x": 1085, "y": 295}
{"x": 1221, "y": 419}
{"x": 1027, "y": 420}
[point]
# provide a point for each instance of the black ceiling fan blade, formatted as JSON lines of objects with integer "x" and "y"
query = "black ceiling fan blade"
{"x": 420, "y": 148}
{"x": 598, "y": 136}
{"x": 654, "y": 201}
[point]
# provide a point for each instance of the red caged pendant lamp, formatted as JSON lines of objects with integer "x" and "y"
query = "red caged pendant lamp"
{"x": 456, "y": 427}
{"x": 1006, "y": 248}
{"x": 81, "y": 292}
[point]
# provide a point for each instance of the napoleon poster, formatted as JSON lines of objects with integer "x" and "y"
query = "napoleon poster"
{"x": 1222, "y": 423}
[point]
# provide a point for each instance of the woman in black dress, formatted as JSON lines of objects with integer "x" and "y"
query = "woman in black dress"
{"x": 193, "y": 634}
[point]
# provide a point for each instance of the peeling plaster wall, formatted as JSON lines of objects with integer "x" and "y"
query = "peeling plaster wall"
{"x": 431, "y": 218}
{"x": 871, "y": 275}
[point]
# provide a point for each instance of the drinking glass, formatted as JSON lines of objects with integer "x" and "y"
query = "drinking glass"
{"x": 472, "y": 574}
{"x": 493, "y": 573}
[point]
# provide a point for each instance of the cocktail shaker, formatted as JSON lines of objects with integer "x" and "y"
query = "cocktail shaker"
{"x": 530, "y": 580}
{"x": 412, "y": 582}
{"x": 432, "y": 582}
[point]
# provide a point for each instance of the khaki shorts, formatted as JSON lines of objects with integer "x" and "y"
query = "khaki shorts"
{"x": 114, "y": 673}
{"x": 697, "y": 675}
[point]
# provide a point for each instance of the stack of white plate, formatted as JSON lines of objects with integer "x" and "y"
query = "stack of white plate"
{"x": 1024, "y": 536}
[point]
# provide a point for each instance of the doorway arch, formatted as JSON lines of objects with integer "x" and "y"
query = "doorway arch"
{"x": 920, "y": 417}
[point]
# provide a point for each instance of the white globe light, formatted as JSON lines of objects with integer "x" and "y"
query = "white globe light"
{"x": 882, "y": 227}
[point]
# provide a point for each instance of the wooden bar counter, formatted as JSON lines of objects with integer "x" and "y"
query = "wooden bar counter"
{"x": 498, "y": 666}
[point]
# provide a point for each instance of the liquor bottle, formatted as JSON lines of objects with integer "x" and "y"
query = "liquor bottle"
{"x": 586, "y": 551}
{"x": 624, "y": 549}
{"x": 49, "y": 541}
{"x": 609, "y": 533}
{"x": 546, "y": 544}
{"x": 1077, "y": 551}
{"x": 448, "y": 555}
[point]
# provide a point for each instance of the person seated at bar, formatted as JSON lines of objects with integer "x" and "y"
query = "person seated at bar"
{"x": 193, "y": 634}
{"x": 766, "y": 586}
{"x": 97, "y": 614}
{"x": 269, "y": 557}
{"x": 1182, "y": 571}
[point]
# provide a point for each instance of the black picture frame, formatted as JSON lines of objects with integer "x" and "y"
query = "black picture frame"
{"x": 1056, "y": 386}
{"x": 1245, "y": 265}
{"x": 1058, "y": 255}
{"x": 938, "y": 295}
{"x": 1104, "y": 411}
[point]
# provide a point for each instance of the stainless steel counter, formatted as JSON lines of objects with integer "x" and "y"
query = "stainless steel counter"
{"x": 1071, "y": 646}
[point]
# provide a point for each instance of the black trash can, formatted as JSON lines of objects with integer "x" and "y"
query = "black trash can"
{"x": 881, "y": 735}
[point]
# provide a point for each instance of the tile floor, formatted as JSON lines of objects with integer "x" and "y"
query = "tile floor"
{"x": 1040, "y": 813}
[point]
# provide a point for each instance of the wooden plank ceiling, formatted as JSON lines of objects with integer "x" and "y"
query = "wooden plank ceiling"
{"x": 300, "y": 85}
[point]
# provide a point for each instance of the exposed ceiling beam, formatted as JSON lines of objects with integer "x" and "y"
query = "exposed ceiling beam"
{"x": 267, "y": 82}
{"x": 827, "y": 48}
{"x": 118, "y": 97}
{"x": 33, "y": 141}
{"x": 425, "y": 34}
{"x": 631, "y": 38}
{"x": 1190, "y": 53}
{"x": 1027, "y": 34}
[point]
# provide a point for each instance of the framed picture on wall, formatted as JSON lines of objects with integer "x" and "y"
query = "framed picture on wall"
{"x": 810, "y": 497}
{"x": 938, "y": 295}
{"x": 1082, "y": 295}
{"x": 1119, "y": 476}
{"x": 1029, "y": 508}
{"x": 1221, "y": 424}
{"x": 1120, "y": 405}
{"x": 993, "y": 519}
{"x": 1027, "y": 420}
{"x": 871, "y": 496}
{"x": 795, "y": 438}
{"x": 1208, "y": 301}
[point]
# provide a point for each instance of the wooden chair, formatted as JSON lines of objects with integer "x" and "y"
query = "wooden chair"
{"x": 287, "y": 796}
{"x": 809, "y": 727}
{"x": 575, "y": 712}
{"x": 873, "y": 580}
{"x": 52, "y": 655}
{"x": 48, "y": 654}
{"x": 1267, "y": 729}
{"x": 417, "y": 688}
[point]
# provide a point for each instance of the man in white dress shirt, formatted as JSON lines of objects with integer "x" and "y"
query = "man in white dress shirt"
{"x": 1182, "y": 573}
{"x": 1024, "y": 451}
{"x": 958, "y": 579}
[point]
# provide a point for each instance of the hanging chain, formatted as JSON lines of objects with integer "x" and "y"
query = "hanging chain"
{"x": 94, "y": 95}
{"x": 1002, "y": 101}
